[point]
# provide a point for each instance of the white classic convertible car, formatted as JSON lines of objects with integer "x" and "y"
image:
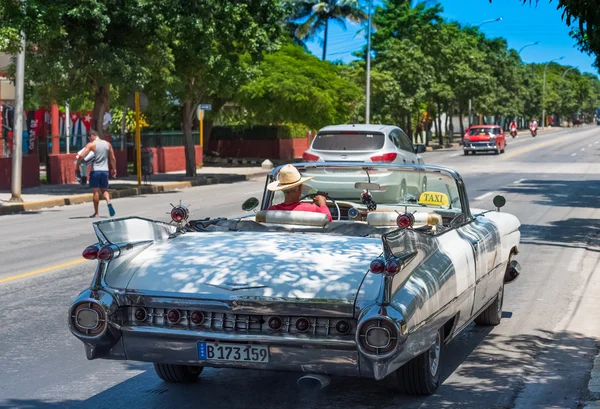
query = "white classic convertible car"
{"x": 377, "y": 292}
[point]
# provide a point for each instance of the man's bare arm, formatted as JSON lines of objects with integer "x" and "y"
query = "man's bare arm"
{"x": 112, "y": 161}
{"x": 86, "y": 151}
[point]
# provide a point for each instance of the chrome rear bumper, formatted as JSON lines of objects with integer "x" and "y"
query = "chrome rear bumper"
{"x": 332, "y": 357}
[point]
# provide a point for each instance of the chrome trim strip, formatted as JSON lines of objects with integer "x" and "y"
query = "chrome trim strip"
{"x": 276, "y": 339}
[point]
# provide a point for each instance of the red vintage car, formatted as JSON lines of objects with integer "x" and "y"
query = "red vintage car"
{"x": 484, "y": 138}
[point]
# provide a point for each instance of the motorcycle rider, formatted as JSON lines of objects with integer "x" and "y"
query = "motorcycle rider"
{"x": 513, "y": 128}
{"x": 533, "y": 127}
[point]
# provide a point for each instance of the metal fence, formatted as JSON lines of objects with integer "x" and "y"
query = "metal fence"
{"x": 73, "y": 144}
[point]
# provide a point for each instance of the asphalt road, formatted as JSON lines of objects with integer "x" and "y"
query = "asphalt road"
{"x": 538, "y": 357}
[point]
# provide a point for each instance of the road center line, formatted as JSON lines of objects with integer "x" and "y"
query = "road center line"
{"x": 517, "y": 182}
{"x": 582, "y": 149}
{"x": 483, "y": 196}
{"x": 574, "y": 154}
{"x": 41, "y": 271}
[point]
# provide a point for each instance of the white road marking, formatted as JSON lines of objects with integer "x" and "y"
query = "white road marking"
{"x": 596, "y": 143}
{"x": 582, "y": 149}
{"x": 456, "y": 154}
{"x": 254, "y": 191}
{"x": 516, "y": 182}
{"x": 574, "y": 154}
{"x": 590, "y": 145}
{"x": 483, "y": 196}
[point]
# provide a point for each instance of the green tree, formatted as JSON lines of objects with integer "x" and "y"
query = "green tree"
{"x": 294, "y": 86}
{"x": 215, "y": 45}
{"x": 85, "y": 47}
{"x": 314, "y": 16}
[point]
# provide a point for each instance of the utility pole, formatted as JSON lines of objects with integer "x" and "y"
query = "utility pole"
{"x": 477, "y": 26}
{"x": 17, "y": 154}
{"x": 544, "y": 92}
{"x": 368, "y": 96}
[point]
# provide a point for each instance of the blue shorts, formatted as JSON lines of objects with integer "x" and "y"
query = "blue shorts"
{"x": 99, "y": 179}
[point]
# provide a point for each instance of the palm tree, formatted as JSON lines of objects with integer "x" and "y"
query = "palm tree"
{"x": 315, "y": 15}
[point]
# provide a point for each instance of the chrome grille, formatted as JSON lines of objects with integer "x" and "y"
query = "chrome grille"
{"x": 241, "y": 323}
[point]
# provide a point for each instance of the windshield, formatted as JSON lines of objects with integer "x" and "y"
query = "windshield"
{"x": 477, "y": 131}
{"x": 349, "y": 141}
{"x": 390, "y": 188}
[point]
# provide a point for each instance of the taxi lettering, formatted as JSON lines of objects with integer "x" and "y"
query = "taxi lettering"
{"x": 434, "y": 198}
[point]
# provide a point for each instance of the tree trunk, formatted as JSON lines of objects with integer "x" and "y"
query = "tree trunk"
{"x": 409, "y": 126}
{"x": 325, "y": 39}
{"x": 101, "y": 99}
{"x": 460, "y": 119}
{"x": 439, "y": 121}
{"x": 124, "y": 128}
{"x": 188, "y": 139}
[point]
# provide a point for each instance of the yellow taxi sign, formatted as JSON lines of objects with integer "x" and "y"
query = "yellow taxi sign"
{"x": 434, "y": 198}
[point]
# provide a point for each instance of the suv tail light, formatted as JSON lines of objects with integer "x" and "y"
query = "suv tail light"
{"x": 309, "y": 157}
{"x": 386, "y": 157}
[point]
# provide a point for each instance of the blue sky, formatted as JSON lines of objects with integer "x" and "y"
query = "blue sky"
{"x": 521, "y": 24}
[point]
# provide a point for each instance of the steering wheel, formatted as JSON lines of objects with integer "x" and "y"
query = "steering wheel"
{"x": 313, "y": 194}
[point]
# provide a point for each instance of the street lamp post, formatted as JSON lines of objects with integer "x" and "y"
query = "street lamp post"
{"x": 368, "y": 96}
{"x": 544, "y": 92}
{"x": 479, "y": 25}
{"x": 567, "y": 70}
{"x": 525, "y": 46}
{"x": 17, "y": 153}
{"x": 489, "y": 21}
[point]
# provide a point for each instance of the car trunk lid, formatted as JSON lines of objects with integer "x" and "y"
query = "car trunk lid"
{"x": 268, "y": 267}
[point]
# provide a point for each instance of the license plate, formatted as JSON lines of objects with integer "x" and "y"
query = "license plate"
{"x": 232, "y": 352}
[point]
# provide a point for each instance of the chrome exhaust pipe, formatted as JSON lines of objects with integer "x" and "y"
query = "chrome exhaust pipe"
{"x": 313, "y": 382}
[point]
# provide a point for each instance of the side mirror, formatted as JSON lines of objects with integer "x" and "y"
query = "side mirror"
{"x": 420, "y": 148}
{"x": 499, "y": 201}
{"x": 250, "y": 204}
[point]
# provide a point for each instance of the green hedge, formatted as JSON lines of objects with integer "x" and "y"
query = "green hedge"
{"x": 258, "y": 132}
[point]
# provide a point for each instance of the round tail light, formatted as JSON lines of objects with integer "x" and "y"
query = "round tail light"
{"x": 377, "y": 336}
{"x": 406, "y": 220}
{"x": 173, "y": 316}
{"x": 106, "y": 253}
{"x": 377, "y": 266}
{"x": 302, "y": 324}
{"x": 275, "y": 323}
{"x": 197, "y": 317}
{"x": 140, "y": 314}
{"x": 392, "y": 267}
{"x": 179, "y": 214}
{"x": 90, "y": 253}
{"x": 88, "y": 318}
{"x": 343, "y": 327}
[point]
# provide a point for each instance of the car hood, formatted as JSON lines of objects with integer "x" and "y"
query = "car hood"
{"x": 479, "y": 138}
{"x": 237, "y": 265}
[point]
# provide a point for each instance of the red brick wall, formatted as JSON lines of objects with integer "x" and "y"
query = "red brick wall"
{"x": 30, "y": 175}
{"x": 171, "y": 158}
{"x": 61, "y": 169}
{"x": 265, "y": 149}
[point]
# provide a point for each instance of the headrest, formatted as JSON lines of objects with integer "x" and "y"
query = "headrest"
{"x": 389, "y": 218}
{"x": 292, "y": 217}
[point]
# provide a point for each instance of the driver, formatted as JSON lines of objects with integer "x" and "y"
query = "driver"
{"x": 290, "y": 182}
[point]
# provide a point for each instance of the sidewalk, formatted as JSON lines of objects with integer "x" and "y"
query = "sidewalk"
{"x": 46, "y": 196}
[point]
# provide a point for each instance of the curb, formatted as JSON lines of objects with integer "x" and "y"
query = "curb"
{"x": 126, "y": 192}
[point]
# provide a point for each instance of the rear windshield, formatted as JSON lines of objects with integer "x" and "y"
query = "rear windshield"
{"x": 477, "y": 131}
{"x": 355, "y": 141}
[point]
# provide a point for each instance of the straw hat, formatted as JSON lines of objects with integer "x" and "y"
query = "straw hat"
{"x": 289, "y": 177}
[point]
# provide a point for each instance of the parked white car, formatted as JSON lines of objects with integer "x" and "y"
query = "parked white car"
{"x": 370, "y": 143}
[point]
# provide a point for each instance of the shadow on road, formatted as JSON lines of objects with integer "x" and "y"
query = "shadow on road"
{"x": 564, "y": 193}
{"x": 482, "y": 370}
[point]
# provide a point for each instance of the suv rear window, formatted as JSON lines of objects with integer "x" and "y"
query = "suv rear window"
{"x": 477, "y": 131}
{"x": 349, "y": 141}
